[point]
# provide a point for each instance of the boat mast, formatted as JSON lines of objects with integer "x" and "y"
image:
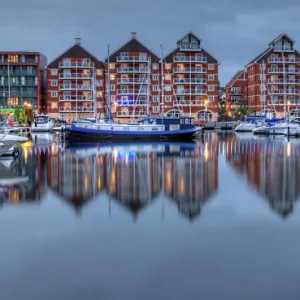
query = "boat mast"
{"x": 148, "y": 86}
{"x": 284, "y": 84}
{"x": 8, "y": 79}
{"x": 108, "y": 86}
{"x": 162, "y": 102}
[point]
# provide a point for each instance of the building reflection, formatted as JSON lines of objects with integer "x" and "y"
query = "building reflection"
{"x": 270, "y": 166}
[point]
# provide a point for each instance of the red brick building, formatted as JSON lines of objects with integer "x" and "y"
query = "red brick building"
{"x": 75, "y": 84}
{"x": 191, "y": 80}
{"x": 134, "y": 80}
{"x": 22, "y": 82}
{"x": 236, "y": 92}
{"x": 273, "y": 78}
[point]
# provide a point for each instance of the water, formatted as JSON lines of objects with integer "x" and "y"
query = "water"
{"x": 218, "y": 219}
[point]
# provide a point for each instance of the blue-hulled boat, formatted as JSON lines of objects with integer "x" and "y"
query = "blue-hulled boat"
{"x": 148, "y": 129}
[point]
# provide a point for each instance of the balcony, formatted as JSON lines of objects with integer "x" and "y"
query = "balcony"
{"x": 132, "y": 81}
{"x": 282, "y": 81}
{"x": 283, "y": 49}
{"x": 75, "y": 99}
{"x": 189, "y": 81}
{"x": 74, "y": 87}
{"x": 236, "y": 92}
{"x": 180, "y": 58}
{"x": 132, "y": 92}
{"x": 190, "y": 70}
{"x": 190, "y": 47}
{"x": 75, "y": 76}
{"x": 132, "y": 70}
{"x": 282, "y": 71}
{"x": 285, "y": 60}
{"x": 288, "y": 92}
{"x": 189, "y": 103}
{"x": 126, "y": 114}
{"x": 70, "y": 65}
{"x": 132, "y": 59}
{"x": 74, "y": 109}
{"x": 236, "y": 100}
{"x": 132, "y": 102}
{"x": 191, "y": 92}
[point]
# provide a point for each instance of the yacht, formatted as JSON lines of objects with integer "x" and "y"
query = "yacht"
{"x": 42, "y": 123}
{"x": 250, "y": 123}
{"x": 272, "y": 127}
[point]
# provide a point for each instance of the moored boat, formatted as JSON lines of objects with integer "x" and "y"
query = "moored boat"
{"x": 250, "y": 123}
{"x": 42, "y": 123}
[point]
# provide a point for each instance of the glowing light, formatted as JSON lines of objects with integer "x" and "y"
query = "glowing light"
{"x": 99, "y": 183}
{"x": 181, "y": 185}
{"x": 126, "y": 159}
{"x": 25, "y": 155}
{"x": 168, "y": 181}
{"x": 206, "y": 153}
{"x": 86, "y": 184}
{"x": 288, "y": 149}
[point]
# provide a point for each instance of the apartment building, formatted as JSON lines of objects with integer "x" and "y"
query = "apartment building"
{"x": 75, "y": 84}
{"x": 22, "y": 82}
{"x": 191, "y": 80}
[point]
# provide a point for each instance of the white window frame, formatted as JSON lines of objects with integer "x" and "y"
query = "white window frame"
{"x": 155, "y": 88}
{"x": 53, "y": 82}
{"x": 211, "y": 67}
{"x": 54, "y": 94}
{"x": 112, "y": 88}
{"x": 211, "y": 77}
{"x": 155, "y": 99}
{"x": 211, "y": 88}
{"x": 168, "y": 88}
{"x": 168, "y": 98}
{"x": 211, "y": 98}
{"x": 155, "y": 77}
{"x": 53, "y": 72}
{"x": 155, "y": 109}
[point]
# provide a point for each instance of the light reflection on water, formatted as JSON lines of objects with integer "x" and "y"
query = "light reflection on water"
{"x": 133, "y": 204}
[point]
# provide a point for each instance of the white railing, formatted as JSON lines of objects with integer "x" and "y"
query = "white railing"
{"x": 280, "y": 60}
{"x": 75, "y": 76}
{"x": 132, "y": 92}
{"x": 76, "y": 65}
{"x": 132, "y": 70}
{"x": 73, "y": 109}
{"x": 282, "y": 81}
{"x": 74, "y": 98}
{"x": 75, "y": 87}
{"x": 283, "y": 49}
{"x": 131, "y": 81}
{"x": 190, "y": 70}
{"x": 132, "y": 103}
{"x": 128, "y": 114}
{"x": 190, "y": 46}
{"x": 281, "y": 92}
{"x": 191, "y": 92}
{"x": 190, "y": 59}
{"x": 189, "y": 103}
{"x": 132, "y": 59}
{"x": 281, "y": 102}
{"x": 281, "y": 70}
{"x": 189, "y": 81}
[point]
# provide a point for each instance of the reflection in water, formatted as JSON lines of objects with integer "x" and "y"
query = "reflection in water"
{"x": 271, "y": 167}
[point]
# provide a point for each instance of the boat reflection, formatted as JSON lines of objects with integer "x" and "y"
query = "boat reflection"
{"x": 271, "y": 167}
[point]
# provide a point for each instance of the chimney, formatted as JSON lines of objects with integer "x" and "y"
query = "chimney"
{"x": 78, "y": 41}
{"x": 133, "y": 35}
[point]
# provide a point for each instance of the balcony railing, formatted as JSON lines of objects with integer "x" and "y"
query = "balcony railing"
{"x": 189, "y": 81}
{"x": 132, "y": 103}
{"x": 132, "y": 70}
{"x": 280, "y": 60}
{"x": 74, "y": 109}
{"x": 191, "y": 92}
{"x": 125, "y": 114}
{"x": 190, "y": 47}
{"x": 132, "y": 92}
{"x": 283, "y": 49}
{"x": 75, "y": 99}
{"x": 69, "y": 65}
{"x": 132, "y": 59}
{"x": 281, "y": 102}
{"x": 281, "y": 92}
{"x": 282, "y": 81}
{"x": 131, "y": 81}
{"x": 75, "y": 76}
{"x": 236, "y": 92}
{"x": 281, "y": 70}
{"x": 190, "y": 59}
{"x": 190, "y": 70}
{"x": 75, "y": 87}
{"x": 189, "y": 103}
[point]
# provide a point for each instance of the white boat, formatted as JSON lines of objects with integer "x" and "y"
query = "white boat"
{"x": 250, "y": 123}
{"x": 5, "y": 147}
{"x": 13, "y": 138}
{"x": 42, "y": 123}
{"x": 293, "y": 128}
{"x": 272, "y": 127}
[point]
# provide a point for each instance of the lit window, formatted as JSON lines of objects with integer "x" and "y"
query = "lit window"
{"x": 112, "y": 66}
{"x": 54, "y": 105}
{"x": 112, "y": 77}
{"x": 53, "y": 82}
{"x": 53, "y": 72}
{"x": 54, "y": 94}
{"x": 99, "y": 72}
{"x": 168, "y": 77}
{"x": 99, "y": 94}
{"x": 168, "y": 88}
{"x": 13, "y": 58}
{"x": 211, "y": 67}
{"x": 168, "y": 66}
{"x": 155, "y": 66}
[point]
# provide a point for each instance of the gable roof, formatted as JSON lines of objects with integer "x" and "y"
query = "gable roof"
{"x": 76, "y": 51}
{"x": 235, "y": 78}
{"x": 133, "y": 45}
{"x": 190, "y": 34}
{"x": 281, "y": 36}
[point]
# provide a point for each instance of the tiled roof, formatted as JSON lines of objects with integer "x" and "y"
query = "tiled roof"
{"x": 133, "y": 46}
{"x": 235, "y": 78}
{"x": 76, "y": 51}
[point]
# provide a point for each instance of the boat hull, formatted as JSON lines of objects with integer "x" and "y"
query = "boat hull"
{"x": 104, "y": 136}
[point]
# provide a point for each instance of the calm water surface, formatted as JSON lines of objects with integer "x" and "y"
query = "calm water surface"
{"x": 217, "y": 219}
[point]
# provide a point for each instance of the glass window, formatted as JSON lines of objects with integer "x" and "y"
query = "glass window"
{"x": 53, "y": 82}
{"x": 211, "y": 77}
{"x": 99, "y": 72}
{"x": 168, "y": 88}
{"x": 168, "y": 66}
{"x": 54, "y": 94}
{"x": 211, "y": 67}
{"x": 112, "y": 66}
{"x": 53, "y": 72}
{"x": 211, "y": 88}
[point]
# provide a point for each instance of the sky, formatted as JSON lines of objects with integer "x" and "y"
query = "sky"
{"x": 233, "y": 31}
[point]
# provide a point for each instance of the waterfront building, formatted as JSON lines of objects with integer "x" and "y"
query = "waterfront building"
{"x": 134, "y": 80}
{"x": 191, "y": 80}
{"x": 236, "y": 92}
{"x": 22, "y": 83}
{"x": 75, "y": 84}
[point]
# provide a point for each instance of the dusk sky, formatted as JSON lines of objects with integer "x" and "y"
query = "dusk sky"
{"x": 234, "y": 31}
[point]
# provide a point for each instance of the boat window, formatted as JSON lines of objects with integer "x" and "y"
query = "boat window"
{"x": 187, "y": 121}
{"x": 154, "y": 129}
{"x": 41, "y": 120}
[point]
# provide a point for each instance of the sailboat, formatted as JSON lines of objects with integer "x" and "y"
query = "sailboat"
{"x": 151, "y": 128}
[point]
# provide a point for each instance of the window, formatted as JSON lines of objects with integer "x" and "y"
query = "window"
{"x": 168, "y": 98}
{"x": 112, "y": 87}
{"x": 99, "y": 72}
{"x": 155, "y": 66}
{"x": 211, "y": 67}
{"x": 155, "y": 99}
{"x": 53, "y": 72}
{"x": 13, "y": 58}
{"x": 29, "y": 69}
{"x": 112, "y": 77}
{"x": 211, "y": 77}
{"x": 262, "y": 77}
{"x": 35, "y": 80}
{"x": 211, "y": 98}
{"x": 54, "y": 105}
{"x": 23, "y": 80}
{"x": 168, "y": 66}
{"x": 53, "y": 82}
{"x": 168, "y": 88}
{"x": 211, "y": 88}
{"x": 99, "y": 94}
{"x": 54, "y": 94}
{"x": 155, "y": 88}
{"x": 155, "y": 109}
{"x": 168, "y": 77}
{"x": 155, "y": 77}
{"x": 98, "y": 83}
{"x": 112, "y": 66}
